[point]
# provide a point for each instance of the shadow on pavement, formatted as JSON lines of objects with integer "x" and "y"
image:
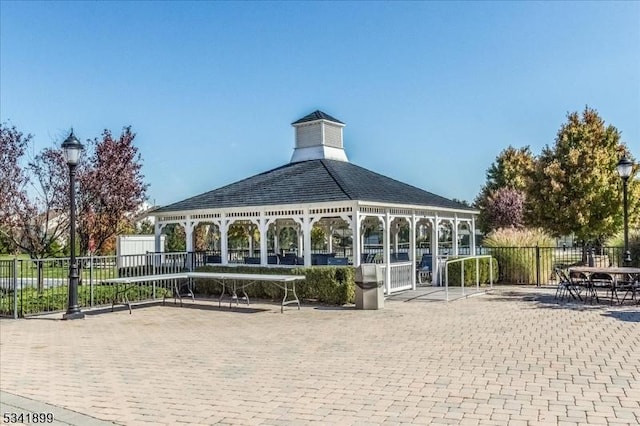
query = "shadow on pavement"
{"x": 547, "y": 300}
{"x": 242, "y": 309}
{"x": 628, "y": 316}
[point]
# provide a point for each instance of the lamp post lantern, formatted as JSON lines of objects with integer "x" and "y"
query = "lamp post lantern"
{"x": 624, "y": 168}
{"x": 72, "y": 148}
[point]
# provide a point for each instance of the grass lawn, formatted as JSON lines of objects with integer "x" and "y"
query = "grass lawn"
{"x": 51, "y": 268}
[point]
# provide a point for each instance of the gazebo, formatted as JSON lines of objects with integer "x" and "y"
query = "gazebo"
{"x": 320, "y": 187}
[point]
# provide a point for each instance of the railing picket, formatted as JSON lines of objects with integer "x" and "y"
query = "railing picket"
{"x": 15, "y": 288}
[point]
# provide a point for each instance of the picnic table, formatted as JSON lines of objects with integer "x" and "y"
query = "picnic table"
{"x": 182, "y": 280}
{"x": 627, "y": 278}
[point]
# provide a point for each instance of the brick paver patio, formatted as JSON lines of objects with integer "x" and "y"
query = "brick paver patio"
{"x": 511, "y": 357}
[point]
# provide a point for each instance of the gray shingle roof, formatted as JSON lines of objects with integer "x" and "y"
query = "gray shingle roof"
{"x": 313, "y": 181}
{"x": 317, "y": 115}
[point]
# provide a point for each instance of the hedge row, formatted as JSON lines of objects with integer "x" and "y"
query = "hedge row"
{"x": 327, "y": 284}
{"x": 32, "y": 301}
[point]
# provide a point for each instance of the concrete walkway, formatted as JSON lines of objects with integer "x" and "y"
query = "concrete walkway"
{"x": 429, "y": 293}
{"x": 514, "y": 356}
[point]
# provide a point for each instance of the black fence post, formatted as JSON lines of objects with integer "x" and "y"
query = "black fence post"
{"x": 15, "y": 287}
{"x": 537, "y": 266}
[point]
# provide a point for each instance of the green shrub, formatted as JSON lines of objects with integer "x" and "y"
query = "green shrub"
{"x": 454, "y": 271}
{"x": 634, "y": 248}
{"x": 515, "y": 250}
{"x": 327, "y": 284}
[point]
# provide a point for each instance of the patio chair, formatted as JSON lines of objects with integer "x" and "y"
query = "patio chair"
{"x": 602, "y": 281}
{"x": 402, "y": 257}
{"x": 581, "y": 286}
{"x": 288, "y": 259}
{"x": 565, "y": 286}
{"x": 425, "y": 268}
{"x": 367, "y": 258}
{"x": 631, "y": 287}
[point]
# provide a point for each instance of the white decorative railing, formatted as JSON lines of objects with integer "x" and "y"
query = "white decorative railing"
{"x": 401, "y": 277}
{"x": 477, "y": 272}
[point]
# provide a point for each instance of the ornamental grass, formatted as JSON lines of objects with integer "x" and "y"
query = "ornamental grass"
{"x": 518, "y": 255}
{"x": 634, "y": 247}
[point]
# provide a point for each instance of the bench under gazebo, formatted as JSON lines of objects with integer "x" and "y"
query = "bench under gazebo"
{"x": 319, "y": 187}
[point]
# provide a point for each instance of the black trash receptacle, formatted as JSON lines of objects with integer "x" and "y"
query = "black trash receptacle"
{"x": 369, "y": 290}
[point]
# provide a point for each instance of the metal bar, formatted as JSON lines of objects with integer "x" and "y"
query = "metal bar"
{"x": 446, "y": 280}
{"x": 15, "y": 288}
{"x": 91, "y": 301}
{"x": 477, "y": 274}
{"x": 491, "y": 271}
{"x": 462, "y": 275}
{"x": 537, "y": 266}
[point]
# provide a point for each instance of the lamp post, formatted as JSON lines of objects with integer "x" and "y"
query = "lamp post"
{"x": 72, "y": 148}
{"x": 624, "y": 168}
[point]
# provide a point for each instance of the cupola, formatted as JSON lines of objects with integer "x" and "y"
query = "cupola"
{"x": 318, "y": 136}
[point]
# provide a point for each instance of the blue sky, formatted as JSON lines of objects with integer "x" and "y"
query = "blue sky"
{"x": 430, "y": 92}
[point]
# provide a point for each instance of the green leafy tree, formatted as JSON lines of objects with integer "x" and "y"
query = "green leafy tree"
{"x": 145, "y": 227}
{"x": 317, "y": 238}
{"x": 575, "y": 188}
{"x": 463, "y": 202}
{"x": 175, "y": 238}
{"x": 6, "y": 245}
{"x": 511, "y": 170}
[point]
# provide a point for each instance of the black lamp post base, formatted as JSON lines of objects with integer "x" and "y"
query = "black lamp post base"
{"x": 73, "y": 315}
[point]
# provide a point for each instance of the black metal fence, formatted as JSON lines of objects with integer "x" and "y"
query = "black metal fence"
{"x": 37, "y": 286}
{"x": 534, "y": 265}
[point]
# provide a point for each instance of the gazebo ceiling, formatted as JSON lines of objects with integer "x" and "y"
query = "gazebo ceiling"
{"x": 313, "y": 181}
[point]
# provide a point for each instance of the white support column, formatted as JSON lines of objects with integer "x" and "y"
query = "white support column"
{"x": 224, "y": 241}
{"x": 188, "y": 231}
{"x": 454, "y": 236}
{"x": 250, "y": 231}
{"x": 300, "y": 241}
{"x": 396, "y": 233}
{"x": 355, "y": 240}
{"x": 307, "y": 225}
{"x": 387, "y": 251}
{"x": 263, "y": 227}
{"x": 276, "y": 242}
{"x": 472, "y": 236}
{"x": 330, "y": 239}
{"x": 434, "y": 250}
{"x": 157, "y": 258}
{"x": 412, "y": 247}
{"x": 189, "y": 226}
{"x": 158, "y": 237}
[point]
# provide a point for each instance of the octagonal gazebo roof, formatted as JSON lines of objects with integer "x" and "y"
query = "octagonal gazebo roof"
{"x": 313, "y": 181}
{"x": 319, "y": 172}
